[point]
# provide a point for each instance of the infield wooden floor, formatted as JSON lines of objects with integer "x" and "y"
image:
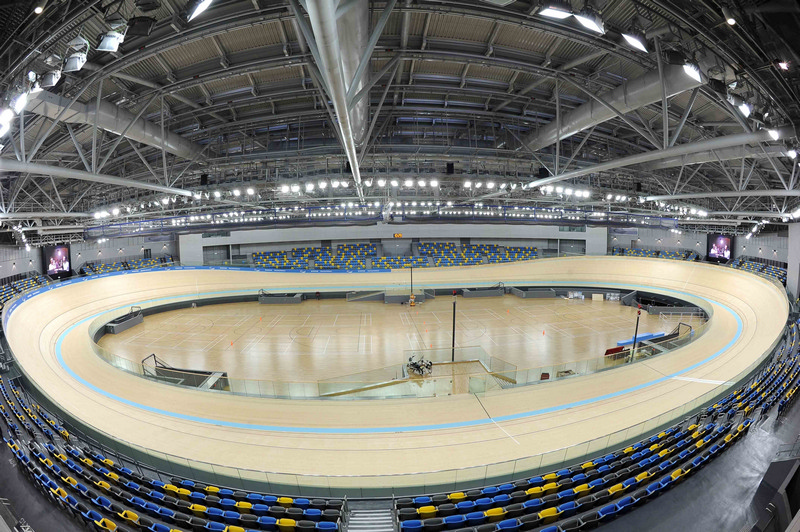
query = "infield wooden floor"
{"x": 355, "y": 443}
{"x": 322, "y": 339}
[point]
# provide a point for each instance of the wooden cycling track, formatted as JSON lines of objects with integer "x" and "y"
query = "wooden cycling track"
{"x": 352, "y": 444}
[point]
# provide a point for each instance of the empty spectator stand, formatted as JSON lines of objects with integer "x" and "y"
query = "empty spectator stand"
{"x": 93, "y": 268}
{"x": 760, "y": 268}
{"x": 279, "y": 260}
{"x": 396, "y": 263}
{"x": 360, "y": 250}
{"x": 17, "y": 284}
{"x": 445, "y": 254}
{"x": 517, "y": 253}
{"x": 670, "y": 255}
{"x": 673, "y": 255}
{"x": 104, "y": 494}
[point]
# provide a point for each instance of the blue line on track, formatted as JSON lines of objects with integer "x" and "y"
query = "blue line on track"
{"x": 365, "y": 430}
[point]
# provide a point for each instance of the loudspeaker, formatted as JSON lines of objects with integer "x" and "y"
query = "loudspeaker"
{"x": 638, "y": 187}
{"x": 451, "y": 168}
{"x": 203, "y": 180}
{"x": 347, "y": 169}
{"x": 543, "y": 173}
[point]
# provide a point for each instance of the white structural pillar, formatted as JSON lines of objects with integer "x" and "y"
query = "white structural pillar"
{"x": 793, "y": 270}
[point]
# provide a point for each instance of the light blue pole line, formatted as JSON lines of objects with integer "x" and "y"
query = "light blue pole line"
{"x": 374, "y": 430}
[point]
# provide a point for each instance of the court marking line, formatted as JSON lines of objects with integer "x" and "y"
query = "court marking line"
{"x": 373, "y": 430}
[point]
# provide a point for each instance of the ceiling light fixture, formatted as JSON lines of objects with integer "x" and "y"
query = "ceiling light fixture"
{"x": 110, "y": 42}
{"x": 692, "y": 71}
{"x": 19, "y": 101}
{"x": 49, "y": 79}
{"x": 76, "y": 61}
{"x": 636, "y": 39}
{"x": 199, "y": 7}
{"x": 728, "y": 16}
{"x": 745, "y": 109}
{"x": 39, "y": 7}
{"x": 557, "y": 9}
{"x": 590, "y": 19}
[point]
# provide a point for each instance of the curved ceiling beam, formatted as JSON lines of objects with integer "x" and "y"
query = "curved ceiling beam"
{"x": 12, "y": 165}
{"x": 682, "y": 149}
{"x": 725, "y": 154}
{"x": 636, "y": 93}
{"x": 26, "y": 215}
{"x": 783, "y": 193}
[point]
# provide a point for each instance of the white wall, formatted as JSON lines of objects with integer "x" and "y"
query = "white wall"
{"x": 15, "y": 260}
{"x": 191, "y": 245}
{"x": 119, "y": 248}
{"x": 768, "y": 245}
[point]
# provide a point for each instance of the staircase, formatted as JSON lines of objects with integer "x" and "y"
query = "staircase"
{"x": 370, "y": 516}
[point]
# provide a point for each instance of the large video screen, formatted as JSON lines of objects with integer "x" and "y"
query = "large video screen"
{"x": 720, "y": 247}
{"x": 56, "y": 261}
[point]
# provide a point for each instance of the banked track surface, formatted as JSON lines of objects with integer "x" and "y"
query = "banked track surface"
{"x": 356, "y": 444}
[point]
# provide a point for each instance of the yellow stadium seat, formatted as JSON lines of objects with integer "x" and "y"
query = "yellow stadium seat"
{"x": 426, "y": 511}
{"x": 495, "y": 514}
{"x": 286, "y": 525}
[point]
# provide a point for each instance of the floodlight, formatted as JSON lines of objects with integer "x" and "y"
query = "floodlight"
{"x": 773, "y": 133}
{"x": 556, "y": 9}
{"x": 39, "y": 6}
{"x": 692, "y": 71}
{"x": 19, "y": 101}
{"x": 140, "y": 26}
{"x": 4, "y": 129}
{"x": 636, "y": 39}
{"x": 6, "y": 115}
{"x": 75, "y": 62}
{"x": 110, "y": 42}
{"x": 783, "y": 65}
{"x": 285, "y": 189}
{"x": 78, "y": 44}
{"x": 590, "y": 19}
{"x": 745, "y": 109}
{"x": 728, "y": 16}
{"x": 381, "y": 182}
{"x": 199, "y": 7}
{"x": 792, "y": 154}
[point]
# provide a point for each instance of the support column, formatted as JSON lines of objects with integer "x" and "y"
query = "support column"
{"x": 793, "y": 270}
